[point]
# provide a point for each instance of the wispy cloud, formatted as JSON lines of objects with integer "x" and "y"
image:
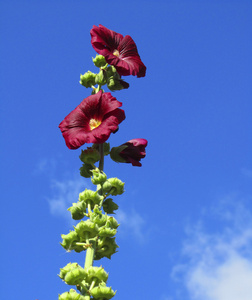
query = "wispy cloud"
{"x": 219, "y": 265}
{"x": 133, "y": 223}
{"x": 65, "y": 192}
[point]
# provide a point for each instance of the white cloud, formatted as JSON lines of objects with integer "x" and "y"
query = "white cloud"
{"x": 219, "y": 264}
{"x": 65, "y": 192}
{"x": 131, "y": 222}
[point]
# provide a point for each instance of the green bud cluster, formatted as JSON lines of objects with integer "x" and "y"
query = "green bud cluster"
{"x": 95, "y": 234}
{"x": 107, "y": 75}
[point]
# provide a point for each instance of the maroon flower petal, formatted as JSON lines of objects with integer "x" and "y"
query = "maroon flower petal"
{"x": 118, "y": 51}
{"x": 101, "y": 110}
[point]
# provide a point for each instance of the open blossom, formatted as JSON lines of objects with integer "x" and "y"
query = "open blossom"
{"x": 92, "y": 121}
{"x": 118, "y": 51}
{"x": 130, "y": 152}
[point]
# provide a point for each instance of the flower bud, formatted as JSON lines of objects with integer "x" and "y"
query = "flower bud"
{"x": 97, "y": 273}
{"x": 99, "y": 177}
{"x": 71, "y": 295}
{"x": 100, "y": 78}
{"x": 105, "y": 248}
{"x": 85, "y": 170}
{"x": 113, "y": 186}
{"x": 109, "y": 206}
{"x": 98, "y": 217}
{"x": 90, "y": 156}
{"x": 78, "y": 210}
{"x": 109, "y": 229}
{"x": 102, "y": 292}
{"x": 99, "y": 61}
{"x": 86, "y": 229}
{"x": 87, "y": 79}
{"x": 117, "y": 84}
{"x": 72, "y": 274}
{"x": 91, "y": 197}
{"x": 131, "y": 152}
{"x": 69, "y": 241}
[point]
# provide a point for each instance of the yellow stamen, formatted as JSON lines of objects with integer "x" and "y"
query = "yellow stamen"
{"x": 116, "y": 53}
{"x": 93, "y": 123}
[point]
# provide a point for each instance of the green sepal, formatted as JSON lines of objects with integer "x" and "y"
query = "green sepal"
{"x": 87, "y": 79}
{"x": 109, "y": 206}
{"x": 99, "y": 61}
{"x": 90, "y": 156}
{"x": 78, "y": 210}
{"x": 71, "y": 295}
{"x": 97, "y": 273}
{"x": 85, "y": 170}
{"x": 102, "y": 292}
{"x": 106, "y": 148}
{"x": 113, "y": 186}
{"x": 72, "y": 274}
{"x": 89, "y": 196}
{"x": 98, "y": 217}
{"x": 70, "y": 240}
{"x": 86, "y": 229}
{"x": 99, "y": 177}
{"x": 115, "y": 154}
{"x": 105, "y": 248}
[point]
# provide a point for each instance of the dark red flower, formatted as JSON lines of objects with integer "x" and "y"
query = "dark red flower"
{"x": 118, "y": 51}
{"x": 130, "y": 152}
{"x": 92, "y": 121}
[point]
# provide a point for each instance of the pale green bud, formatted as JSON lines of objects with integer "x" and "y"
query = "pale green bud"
{"x": 105, "y": 248}
{"x": 87, "y": 79}
{"x": 113, "y": 186}
{"x": 102, "y": 292}
{"x": 69, "y": 241}
{"x": 97, "y": 273}
{"x": 71, "y": 295}
{"x": 99, "y": 61}
{"x": 99, "y": 177}
{"x": 78, "y": 210}
{"x": 72, "y": 274}
{"x": 91, "y": 197}
{"x": 86, "y": 229}
{"x": 98, "y": 217}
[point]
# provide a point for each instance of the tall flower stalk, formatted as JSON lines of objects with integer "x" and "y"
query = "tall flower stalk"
{"x": 92, "y": 122}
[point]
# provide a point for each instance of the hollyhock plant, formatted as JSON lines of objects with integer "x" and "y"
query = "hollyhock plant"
{"x": 92, "y": 121}
{"x": 118, "y": 51}
{"x": 130, "y": 152}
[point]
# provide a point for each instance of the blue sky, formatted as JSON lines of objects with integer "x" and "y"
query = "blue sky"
{"x": 186, "y": 214}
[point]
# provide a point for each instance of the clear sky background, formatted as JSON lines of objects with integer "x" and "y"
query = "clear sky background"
{"x": 186, "y": 214}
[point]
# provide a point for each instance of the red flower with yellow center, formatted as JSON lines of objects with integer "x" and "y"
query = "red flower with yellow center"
{"x": 118, "y": 51}
{"x": 92, "y": 121}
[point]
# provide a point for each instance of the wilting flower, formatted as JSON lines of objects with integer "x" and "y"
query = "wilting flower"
{"x": 130, "y": 152}
{"x": 118, "y": 51}
{"x": 92, "y": 121}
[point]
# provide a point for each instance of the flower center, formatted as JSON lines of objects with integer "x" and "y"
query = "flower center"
{"x": 93, "y": 123}
{"x": 116, "y": 53}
